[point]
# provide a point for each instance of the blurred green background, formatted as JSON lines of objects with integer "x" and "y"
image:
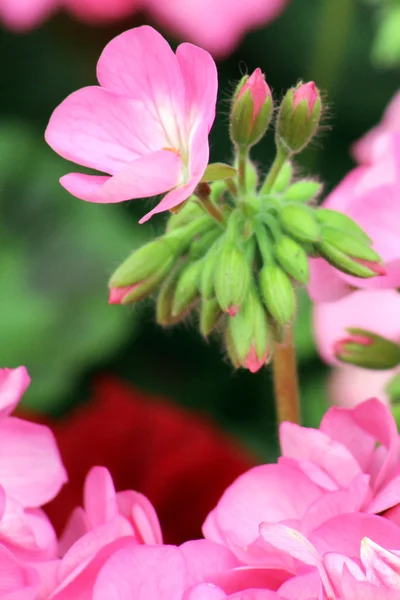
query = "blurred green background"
{"x": 56, "y": 252}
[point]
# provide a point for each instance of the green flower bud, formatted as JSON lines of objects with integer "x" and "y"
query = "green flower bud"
{"x": 231, "y": 278}
{"x": 152, "y": 261}
{"x": 251, "y": 110}
{"x": 247, "y": 335}
{"x": 367, "y": 350}
{"x": 284, "y": 178}
{"x": 165, "y": 297}
{"x": 341, "y": 221}
{"x": 210, "y": 313}
{"x": 349, "y": 244}
{"x": 344, "y": 263}
{"x": 201, "y": 246}
{"x": 278, "y": 294}
{"x": 303, "y": 191}
{"x": 187, "y": 287}
{"x": 208, "y": 273}
{"x": 299, "y": 222}
{"x": 298, "y": 118}
{"x": 292, "y": 259}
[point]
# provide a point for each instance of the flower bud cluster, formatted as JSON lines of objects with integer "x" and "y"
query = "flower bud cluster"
{"x": 236, "y": 251}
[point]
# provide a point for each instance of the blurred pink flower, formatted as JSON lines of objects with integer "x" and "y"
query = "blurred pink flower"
{"x": 147, "y": 125}
{"x": 218, "y": 26}
{"x": 350, "y": 465}
{"x": 375, "y": 143}
{"x": 370, "y": 196}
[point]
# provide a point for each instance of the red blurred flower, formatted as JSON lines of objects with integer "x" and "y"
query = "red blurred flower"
{"x": 176, "y": 457}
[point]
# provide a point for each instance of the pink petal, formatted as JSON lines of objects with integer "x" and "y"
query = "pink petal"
{"x": 377, "y": 420}
{"x": 99, "y": 129}
{"x": 31, "y": 470}
{"x": 139, "y": 511}
{"x": 99, "y": 497}
{"x": 13, "y": 575}
{"x": 326, "y": 283}
{"x": 303, "y": 587}
{"x": 387, "y": 497}
{"x": 340, "y": 425}
{"x": 352, "y": 589}
{"x": 349, "y": 385}
{"x": 140, "y": 64}
{"x": 25, "y": 14}
{"x": 343, "y": 534}
{"x": 311, "y": 445}
{"x": 142, "y": 572}
{"x": 145, "y": 177}
{"x": 205, "y": 559}
{"x": 368, "y": 309}
{"x": 77, "y": 526}
{"x": 204, "y": 591}
{"x": 272, "y": 492}
{"x": 382, "y": 567}
{"x": 336, "y": 503}
{"x": 13, "y": 384}
{"x": 200, "y": 78}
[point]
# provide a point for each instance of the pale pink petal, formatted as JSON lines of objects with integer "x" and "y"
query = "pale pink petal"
{"x": 335, "y": 564}
{"x": 96, "y": 128}
{"x": 31, "y": 470}
{"x": 99, "y": 497}
{"x": 326, "y": 283}
{"x": 140, "y": 64}
{"x": 13, "y": 575}
{"x": 313, "y": 472}
{"x": 204, "y": 591}
{"x": 349, "y": 385}
{"x": 387, "y": 497}
{"x": 141, "y": 573}
{"x": 245, "y": 578}
{"x": 267, "y": 492}
{"x": 256, "y": 595}
{"x": 382, "y": 567}
{"x": 145, "y": 177}
{"x": 297, "y": 546}
{"x": 311, "y": 445}
{"x": 352, "y": 589}
{"x": 198, "y": 160}
{"x": 200, "y": 78}
{"x": 13, "y": 384}
{"x": 376, "y": 311}
{"x": 139, "y": 511}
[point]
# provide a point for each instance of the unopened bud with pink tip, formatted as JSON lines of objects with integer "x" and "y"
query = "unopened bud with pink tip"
{"x": 366, "y": 349}
{"x": 247, "y": 335}
{"x": 251, "y": 110}
{"x": 299, "y": 117}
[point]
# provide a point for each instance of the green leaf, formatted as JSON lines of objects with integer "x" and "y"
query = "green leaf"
{"x": 218, "y": 171}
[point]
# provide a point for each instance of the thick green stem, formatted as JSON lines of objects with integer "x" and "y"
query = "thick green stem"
{"x": 242, "y": 165}
{"x": 203, "y": 197}
{"x": 287, "y": 397}
{"x": 281, "y": 157}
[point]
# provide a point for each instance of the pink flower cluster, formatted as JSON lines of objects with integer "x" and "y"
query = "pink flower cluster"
{"x": 322, "y": 524}
{"x": 370, "y": 195}
{"x": 217, "y": 25}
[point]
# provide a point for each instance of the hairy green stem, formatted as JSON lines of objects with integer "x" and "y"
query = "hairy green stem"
{"x": 287, "y": 397}
{"x": 203, "y": 196}
{"x": 242, "y": 164}
{"x": 280, "y": 159}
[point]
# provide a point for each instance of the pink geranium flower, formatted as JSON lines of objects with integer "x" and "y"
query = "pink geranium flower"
{"x": 221, "y": 32}
{"x": 31, "y": 474}
{"x": 351, "y": 464}
{"x": 375, "y": 143}
{"x": 146, "y": 125}
{"x": 370, "y": 196}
